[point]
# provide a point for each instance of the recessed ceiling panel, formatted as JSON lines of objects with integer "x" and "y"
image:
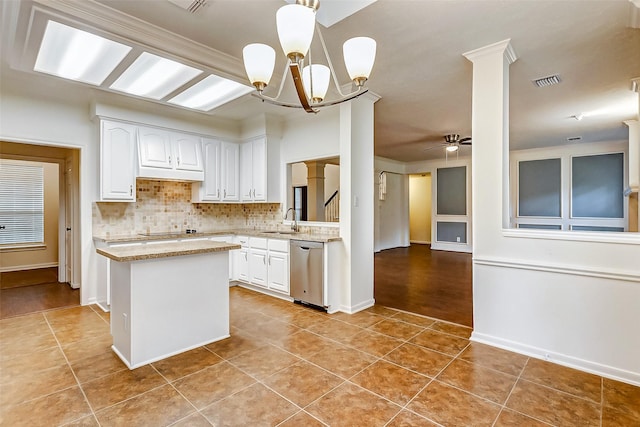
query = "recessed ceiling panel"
{"x": 210, "y": 93}
{"x": 78, "y": 55}
{"x": 154, "y": 77}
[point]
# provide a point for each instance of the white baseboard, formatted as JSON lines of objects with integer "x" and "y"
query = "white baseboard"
{"x": 28, "y": 267}
{"x": 358, "y": 307}
{"x": 263, "y": 291}
{"x": 559, "y": 358}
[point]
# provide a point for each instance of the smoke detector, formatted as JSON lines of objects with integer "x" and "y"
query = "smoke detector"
{"x": 547, "y": 81}
{"x": 190, "y": 5}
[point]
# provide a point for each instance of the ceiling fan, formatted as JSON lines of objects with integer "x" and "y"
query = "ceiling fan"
{"x": 452, "y": 143}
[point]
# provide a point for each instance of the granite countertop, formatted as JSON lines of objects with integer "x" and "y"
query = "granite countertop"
{"x": 271, "y": 234}
{"x": 164, "y": 250}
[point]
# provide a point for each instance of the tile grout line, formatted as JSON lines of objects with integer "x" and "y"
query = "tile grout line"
{"x": 182, "y": 395}
{"x": 86, "y": 399}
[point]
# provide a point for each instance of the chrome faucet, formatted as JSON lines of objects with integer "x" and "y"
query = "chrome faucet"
{"x": 294, "y": 226}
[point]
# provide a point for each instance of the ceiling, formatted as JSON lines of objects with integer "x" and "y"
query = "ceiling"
{"x": 420, "y": 73}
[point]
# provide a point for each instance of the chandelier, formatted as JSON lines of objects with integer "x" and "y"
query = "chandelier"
{"x": 295, "y": 24}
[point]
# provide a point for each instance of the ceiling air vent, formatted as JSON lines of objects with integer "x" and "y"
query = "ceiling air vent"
{"x": 574, "y": 139}
{"x": 547, "y": 81}
{"x": 191, "y": 5}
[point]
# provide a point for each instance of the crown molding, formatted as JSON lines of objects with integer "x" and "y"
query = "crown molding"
{"x": 146, "y": 34}
{"x": 503, "y": 47}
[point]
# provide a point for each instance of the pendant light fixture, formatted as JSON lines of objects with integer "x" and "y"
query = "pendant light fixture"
{"x": 296, "y": 24}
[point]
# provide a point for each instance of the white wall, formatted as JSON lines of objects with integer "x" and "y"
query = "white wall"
{"x": 431, "y": 167}
{"x": 571, "y": 298}
{"x": 392, "y": 214}
{"x": 46, "y": 111}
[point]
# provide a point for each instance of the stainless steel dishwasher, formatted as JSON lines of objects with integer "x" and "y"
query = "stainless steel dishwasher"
{"x": 306, "y": 268}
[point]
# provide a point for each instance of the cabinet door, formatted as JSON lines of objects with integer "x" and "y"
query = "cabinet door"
{"x": 230, "y": 173}
{"x": 188, "y": 152}
{"x": 210, "y": 187}
{"x": 259, "y": 169}
{"x": 241, "y": 266}
{"x": 258, "y": 267}
{"x": 278, "y": 271}
{"x": 154, "y": 148}
{"x": 117, "y": 161}
{"x": 246, "y": 171}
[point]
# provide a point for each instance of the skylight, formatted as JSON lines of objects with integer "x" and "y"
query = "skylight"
{"x": 210, "y": 93}
{"x": 154, "y": 77}
{"x": 78, "y": 55}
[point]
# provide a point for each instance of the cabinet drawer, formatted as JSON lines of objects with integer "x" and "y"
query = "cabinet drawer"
{"x": 258, "y": 242}
{"x": 281, "y": 245}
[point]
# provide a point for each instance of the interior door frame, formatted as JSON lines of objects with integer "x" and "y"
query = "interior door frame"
{"x": 62, "y": 213}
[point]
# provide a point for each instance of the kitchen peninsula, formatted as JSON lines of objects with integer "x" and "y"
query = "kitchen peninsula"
{"x": 168, "y": 298}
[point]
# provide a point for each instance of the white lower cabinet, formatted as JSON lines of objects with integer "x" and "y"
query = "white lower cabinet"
{"x": 241, "y": 259}
{"x": 263, "y": 263}
{"x": 278, "y": 265}
{"x": 258, "y": 267}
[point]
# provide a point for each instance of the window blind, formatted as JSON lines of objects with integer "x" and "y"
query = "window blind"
{"x": 21, "y": 203}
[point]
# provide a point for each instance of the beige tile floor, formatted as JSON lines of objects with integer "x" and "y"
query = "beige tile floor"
{"x": 288, "y": 365}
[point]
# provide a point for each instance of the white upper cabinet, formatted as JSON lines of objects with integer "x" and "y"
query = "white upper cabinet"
{"x": 209, "y": 189}
{"x": 169, "y": 155}
{"x": 117, "y": 161}
{"x": 230, "y": 172}
{"x": 154, "y": 148}
{"x": 188, "y": 151}
{"x": 259, "y": 167}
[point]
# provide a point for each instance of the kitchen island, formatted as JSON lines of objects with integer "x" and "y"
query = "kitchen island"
{"x": 167, "y": 298}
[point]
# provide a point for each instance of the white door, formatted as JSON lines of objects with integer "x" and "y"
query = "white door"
{"x": 278, "y": 272}
{"x": 246, "y": 171}
{"x": 154, "y": 148}
{"x": 117, "y": 168}
{"x": 242, "y": 264}
{"x": 259, "y": 169}
{"x": 230, "y": 172}
{"x": 211, "y": 184}
{"x": 188, "y": 152}
{"x": 258, "y": 267}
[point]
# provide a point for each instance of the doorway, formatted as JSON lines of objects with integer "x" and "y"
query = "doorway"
{"x": 433, "y": 283}
{"x": 40, "y": 275}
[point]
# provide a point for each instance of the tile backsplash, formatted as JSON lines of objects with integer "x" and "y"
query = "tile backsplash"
{"x": 165, "y": 206}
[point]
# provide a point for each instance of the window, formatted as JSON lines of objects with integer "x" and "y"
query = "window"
{"x": 21, "y": 202}
{"x": 571, "y": 192}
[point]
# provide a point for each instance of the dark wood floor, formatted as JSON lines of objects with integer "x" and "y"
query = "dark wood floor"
{"x": 30, "y": 291}
{"x": 432, "y": 283}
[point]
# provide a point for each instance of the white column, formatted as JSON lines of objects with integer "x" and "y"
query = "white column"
{"x": 357, "y": 202}
{"x": 490, "y": 130}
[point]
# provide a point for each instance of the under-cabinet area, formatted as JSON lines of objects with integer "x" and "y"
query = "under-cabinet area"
{"x": 219, "y": 171}
{"x": 261, "y": 263}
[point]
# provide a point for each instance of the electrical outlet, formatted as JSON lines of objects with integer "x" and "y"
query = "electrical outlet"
{"x": 547, "y": 356}
{"x": 458, "y": 239}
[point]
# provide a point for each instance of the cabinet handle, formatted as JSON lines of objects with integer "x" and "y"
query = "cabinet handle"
{"x": 131, "y": 190}
{"x": 178, "y": 161}
{"x": 264, "y": 259}
{"x": 269, "y": 259}
{"x": 169, "y": 159}
{"x": 225, "y": 194}
{"x": 218, "y": 194}
{"x": 245, "y": 256}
